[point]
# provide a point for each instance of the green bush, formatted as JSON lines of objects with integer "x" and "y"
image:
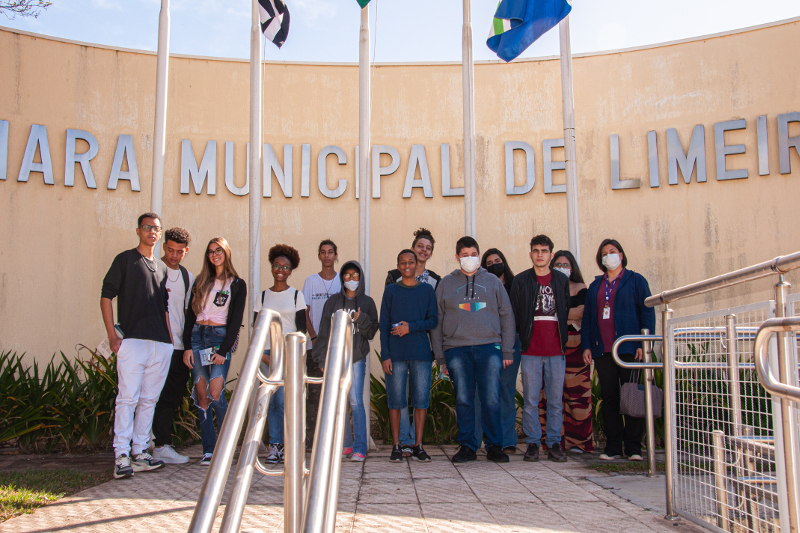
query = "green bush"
{"x": 68, "y": 405}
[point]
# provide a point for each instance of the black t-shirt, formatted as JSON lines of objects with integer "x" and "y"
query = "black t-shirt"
{"x": 140, "y": 288}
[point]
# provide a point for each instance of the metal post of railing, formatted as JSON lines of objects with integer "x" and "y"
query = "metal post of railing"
{"x": 648, "y": 405}
{"x": 670, "y": 455}
{"x": 321, "y": 493}
{"x": 234, "y": 509}
{"x": 214, "y": 483}
{"x": 720, "y": 471}
{"x": 788, "y": 412}
{"x": 733, "y": 373}
{"x": 294, "y": 420}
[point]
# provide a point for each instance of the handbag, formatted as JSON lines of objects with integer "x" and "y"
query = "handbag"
{"x": 631, "y": 401}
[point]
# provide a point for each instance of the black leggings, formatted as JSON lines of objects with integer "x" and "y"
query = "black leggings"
{"x": 170, "y": 399}
{"x": 617, "y": 429}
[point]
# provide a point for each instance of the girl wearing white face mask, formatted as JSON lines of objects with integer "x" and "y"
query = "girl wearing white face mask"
{"x": 577, "y": 427}
{"x": 354, "y": 300}
{"x": 614, "y": 308}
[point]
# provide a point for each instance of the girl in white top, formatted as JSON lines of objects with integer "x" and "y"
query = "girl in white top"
{"x": 291, "y": 305}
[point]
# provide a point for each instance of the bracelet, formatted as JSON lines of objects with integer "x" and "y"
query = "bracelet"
{"x": 313, "y": 338}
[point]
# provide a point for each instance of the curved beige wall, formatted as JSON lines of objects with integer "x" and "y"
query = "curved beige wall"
{"x": 60, "y": 240}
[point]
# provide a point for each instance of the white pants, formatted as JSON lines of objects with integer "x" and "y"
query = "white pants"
{"x": 142, "y": 368}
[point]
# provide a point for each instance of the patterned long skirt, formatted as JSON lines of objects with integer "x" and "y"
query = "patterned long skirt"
{"x": 576, "y": 431}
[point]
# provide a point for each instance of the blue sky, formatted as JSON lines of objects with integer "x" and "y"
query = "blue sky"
{"x": 407, "y": 30}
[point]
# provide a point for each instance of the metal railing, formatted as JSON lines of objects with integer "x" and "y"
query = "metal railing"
{"x": 723, "y": 456}
{"x": 287, "y": 369}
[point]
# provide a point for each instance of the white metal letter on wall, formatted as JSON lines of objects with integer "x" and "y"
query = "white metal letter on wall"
{"x": 418, "y": 159}
{"x": 125, "y": 151}
{"x": 322, "y": 171}
{"x": 230, "y": 182}
{"x": 84, "y": 159}
{"x": 3, "y": 149}
{"x": 447, "y": 189}
{"x": 378, "y": 170}
{"x": 550, "y": 165}
{"x": 283, "y": 175}
{"x": 190, "y": 171}
{"x": 723, "y": 149}
{"x": 530, "y": 167}
{"x": 37, "y": 137}
{"x": 696, "y": 156}
{"x": 618, "y": 183}
{"x": 785, "y": 143}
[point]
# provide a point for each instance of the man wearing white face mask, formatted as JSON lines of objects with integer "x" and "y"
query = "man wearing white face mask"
{"x": 475, "y": 338}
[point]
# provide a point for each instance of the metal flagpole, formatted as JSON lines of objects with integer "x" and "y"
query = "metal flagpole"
{"x": 568, "y": 107}
{"x": 468, "y": 85}
{"x": 364, "y": 101}
{"x": 160, "y": 126}
{"x": 255, "y": 158}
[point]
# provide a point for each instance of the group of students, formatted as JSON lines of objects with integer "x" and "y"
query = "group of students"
{"x": 480, "y": 323}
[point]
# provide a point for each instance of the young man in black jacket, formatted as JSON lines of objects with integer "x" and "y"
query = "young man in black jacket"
{"x": 540, "y": 300}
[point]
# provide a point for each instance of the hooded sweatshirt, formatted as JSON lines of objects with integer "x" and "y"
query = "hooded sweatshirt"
{"x": 366, "y": 323}
{"x": 473, "y": 310}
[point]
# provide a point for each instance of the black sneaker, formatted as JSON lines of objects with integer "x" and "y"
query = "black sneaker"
{"x": 465, "y": 454}
{"x": 418, "y": 454}
{"x": 407, "y": 450}
{"x": 554, "y": 453}
{"x": 397, "y": 455}
{"x": 122, "y": 467}
{"x": 531, "y": 454}
{"x": 274, "y": 455}
{"x": 144, "y": 462}
{"x": 495, "y": 453}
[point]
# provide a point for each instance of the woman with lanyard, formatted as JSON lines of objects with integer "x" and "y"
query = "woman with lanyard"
{"x": 213, "y": 318}
{"x": 423, "y": 249}
{"x": 576, "y": 430}
{"x": 614, "y": 308}
{"x": 289, "y": 303}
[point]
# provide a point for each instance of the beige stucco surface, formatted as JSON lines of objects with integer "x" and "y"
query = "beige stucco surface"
{"x": 59, "y": 241}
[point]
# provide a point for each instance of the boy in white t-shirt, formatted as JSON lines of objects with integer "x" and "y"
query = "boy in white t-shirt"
{"x": 316, "y": 290}
{"x": 179, "y": 283}
{"x": 291, "y": 305}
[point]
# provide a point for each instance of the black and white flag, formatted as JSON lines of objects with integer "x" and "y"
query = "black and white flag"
{"x": 274, "y": 20}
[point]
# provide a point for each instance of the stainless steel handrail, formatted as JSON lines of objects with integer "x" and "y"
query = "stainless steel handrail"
{"x": 648, "y": 391}
{"x": 205, "y": 510}
{"x": 779, "y": 265}
{"x": 772, "y": 385}
{"x": 322, "y": 495}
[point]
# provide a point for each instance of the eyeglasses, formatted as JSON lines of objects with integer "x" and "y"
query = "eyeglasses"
{"x": 351, "y": 276}
{"x": 149, "y": 228}
{"x": 285, "y": 268}
{"x": 215, "y": 251}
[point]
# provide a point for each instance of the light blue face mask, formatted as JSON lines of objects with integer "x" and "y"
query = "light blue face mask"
{"x": 566, "y": 271}
{"x": 351, "y": 285}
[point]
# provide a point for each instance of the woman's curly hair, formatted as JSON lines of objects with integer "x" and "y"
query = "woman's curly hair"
{"x": 284, "y": 250}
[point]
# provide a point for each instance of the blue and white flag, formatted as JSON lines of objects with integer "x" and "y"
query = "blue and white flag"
{"x": 274, "y": 18}
{"x": 517, "y": 23}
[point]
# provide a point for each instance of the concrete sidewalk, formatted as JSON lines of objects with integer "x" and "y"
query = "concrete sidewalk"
{"x": 374, "y": 496}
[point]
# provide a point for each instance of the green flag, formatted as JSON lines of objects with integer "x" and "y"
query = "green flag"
{"x": 363, "y": 3}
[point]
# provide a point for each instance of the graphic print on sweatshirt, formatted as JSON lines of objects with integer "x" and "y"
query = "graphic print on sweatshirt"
{"x": 471, "y": 295}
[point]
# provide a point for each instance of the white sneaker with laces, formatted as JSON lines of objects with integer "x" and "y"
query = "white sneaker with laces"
{"x": 122, "y": 467}
{"x": 167, "y": 454}
{"x": 605, "y": 457}
{"x": 144, "y": 462}
{"x": 206, "y": 460}
{"x": 274, "y": 455}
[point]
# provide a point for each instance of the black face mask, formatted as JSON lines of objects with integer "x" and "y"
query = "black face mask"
{"x": 497, "y": 269}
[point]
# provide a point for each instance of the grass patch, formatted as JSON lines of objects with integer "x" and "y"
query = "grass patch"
{"x": 628, "y": 467}
{"x": 25, "y": 491}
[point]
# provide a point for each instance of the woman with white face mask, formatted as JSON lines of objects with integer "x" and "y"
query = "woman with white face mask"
{"x": 614, "y": 308}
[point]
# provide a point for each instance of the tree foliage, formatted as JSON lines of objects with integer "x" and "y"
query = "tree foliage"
{"x": 23, "y": 8}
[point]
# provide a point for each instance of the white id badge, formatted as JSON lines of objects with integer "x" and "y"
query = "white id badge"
{"x": 205, "y": 356}
{"x": 606, "y": 313}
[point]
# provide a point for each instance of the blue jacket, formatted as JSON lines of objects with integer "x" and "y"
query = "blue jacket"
{"x": 630, "y": 314}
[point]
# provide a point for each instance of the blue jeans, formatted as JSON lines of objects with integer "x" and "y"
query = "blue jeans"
{"x": 357, "y": 437}
{"x": 472, "y": 367}
{"x": 418, "y": 374}
{"x": 274, "y": 411}
{"x": 508, "y": 401}
{"x": 207, "y": 337}
{"x": 538, "y": 371}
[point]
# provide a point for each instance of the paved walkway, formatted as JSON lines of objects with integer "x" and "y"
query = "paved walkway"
{"x": 374, "y": 496}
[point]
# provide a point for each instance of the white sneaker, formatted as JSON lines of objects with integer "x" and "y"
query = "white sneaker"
{"x": 274, "y": 455}
{"x": 635, "y": 457}
{"x": 144, "y": 462}
{"x": 167, "y": 454}
{"x": 605, "y": 457}
{"x": 206, "y": 460}
{"x": 575, "y": 450}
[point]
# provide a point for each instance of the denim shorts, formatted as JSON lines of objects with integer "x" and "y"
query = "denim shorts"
{"x": 206, "y": 337}
{"x": 420, "y": 375}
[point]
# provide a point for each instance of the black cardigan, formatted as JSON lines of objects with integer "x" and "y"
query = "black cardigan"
{"x": 235, "y": 315}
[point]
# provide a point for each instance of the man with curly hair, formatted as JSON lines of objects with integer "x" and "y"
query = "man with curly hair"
{"x": 179, "y": 283}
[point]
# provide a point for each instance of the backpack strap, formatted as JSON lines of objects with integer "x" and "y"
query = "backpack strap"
{"x": 295, "y": 297}
{"x": 185, "y": 274}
